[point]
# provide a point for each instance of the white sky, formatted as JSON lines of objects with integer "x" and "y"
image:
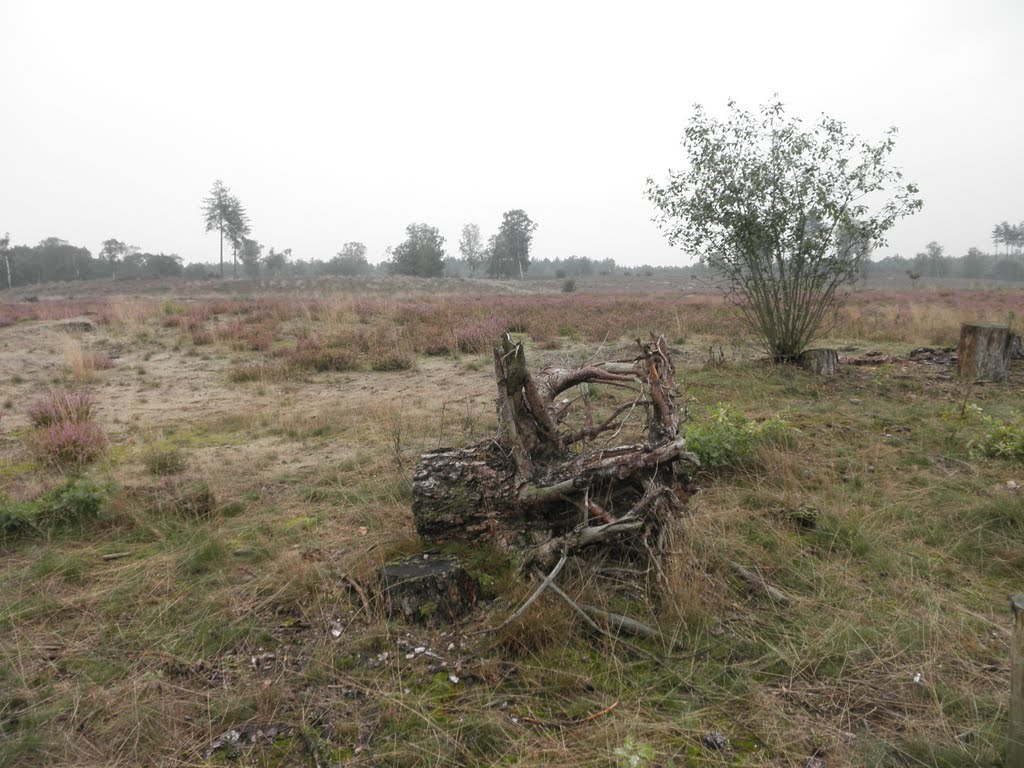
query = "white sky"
{"x": 341, "y": 121}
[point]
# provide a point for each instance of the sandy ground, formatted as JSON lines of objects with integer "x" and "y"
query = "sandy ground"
{"x": 156, "y": 391}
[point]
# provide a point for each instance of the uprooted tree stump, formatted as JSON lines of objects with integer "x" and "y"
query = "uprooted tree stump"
{"x": 548, "y": 486}
{"x": 984, "y": 351}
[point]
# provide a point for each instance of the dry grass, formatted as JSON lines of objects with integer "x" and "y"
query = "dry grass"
{"x": 83, "y": 366}
{"x": 896, "y": 546}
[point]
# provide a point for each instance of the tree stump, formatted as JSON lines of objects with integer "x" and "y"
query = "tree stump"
{"x": 549, "y": 483}
{"x": 984, "y": 351}
{"x": 428, "y": 591}
{"x": 820, "y": 362}
{"x": 1015, "y": 736}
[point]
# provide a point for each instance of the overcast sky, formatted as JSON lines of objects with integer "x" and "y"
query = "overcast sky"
{"x": 341, "y": 121}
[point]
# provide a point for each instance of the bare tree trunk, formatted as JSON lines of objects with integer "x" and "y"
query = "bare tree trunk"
{"x": 544, "y": 487}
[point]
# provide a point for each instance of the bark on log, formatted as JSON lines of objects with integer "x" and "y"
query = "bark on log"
{"x": 984, "y": 351}
{"x": 820, "y": 362}
{"x": 543, "y": 483}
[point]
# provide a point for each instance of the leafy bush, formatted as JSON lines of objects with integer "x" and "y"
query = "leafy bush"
{"x": 75, "y": 501}
{"x": 569, "y": 286}
{"x": 991, "y": 436}
{"x": 728, "y": 439}
{"x": 998, "y": 438}
{"x": 61, "y": 405}
{"x": 68, "y": 443}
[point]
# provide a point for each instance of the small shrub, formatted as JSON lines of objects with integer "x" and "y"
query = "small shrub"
{"x": 74, "y": 502}
{"x": 569, "y": 286}
{"x": 165, "y": 461}
{"x": 198, "y": 333}
{"x": 314, "y": 353}
{"x": 83, "y": 364}
{"x": 245, "y": 372}
{"x": 61, "y": 405}
{"x": 392, "y": 359}
{"x": 998, "y": 438}
{"x": 729, "y": 439}
{"x": 68, "y": 443}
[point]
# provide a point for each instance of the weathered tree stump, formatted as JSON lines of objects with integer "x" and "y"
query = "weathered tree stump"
{"x": 1015, "y": 736}
{"x": 820, "y": 362}
{"x": 547, "y": 484}
{"x": 984, "y": 351}
{"x": 428, "y": 591}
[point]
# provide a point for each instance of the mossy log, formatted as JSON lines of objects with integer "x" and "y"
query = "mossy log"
{"x": 984, "y": 351}
{"x": 540, "y": 483}
{"x": 428, "y": 591}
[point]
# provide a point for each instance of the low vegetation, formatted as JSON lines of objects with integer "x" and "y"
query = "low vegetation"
{"x": 201, "y": 590}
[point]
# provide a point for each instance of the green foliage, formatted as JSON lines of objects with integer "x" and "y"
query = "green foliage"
{"x": 223, "y": 213}
{"x": 509, "y": 250}
{"x": 998, "y": 438}
{"x": 633, "y": 754}
{"x": 988, "y": 435}
{"x": 471, "y": 247}
{"x": 569, "y": 286}
{"x": 728, "y": 439}
{"x": 781, "y": 213}
{"x": 422, "y": 254}
{"x": 75, "y": 501}
{"x": 350, "y": 261}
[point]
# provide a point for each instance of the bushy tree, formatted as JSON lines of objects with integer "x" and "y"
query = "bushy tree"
{"x": 783, "y": 212}
{"x": 509, "y": 250}
{"x": 973, "y": 264}
{"x": 350, "y": 261}
{"x": 422, "y": 254}
{"x": 276, "y": 261}
{"x": 471, "y": 247}
{"x": 932, "y": 261}
{"x": 250, "y": 252}
{"x": 113, "y": 252}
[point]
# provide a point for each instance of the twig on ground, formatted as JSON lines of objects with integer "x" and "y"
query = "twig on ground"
{"x": 758, "y": 584}
{"x": 569, "y": 723}
{"x": 547, "y": 582}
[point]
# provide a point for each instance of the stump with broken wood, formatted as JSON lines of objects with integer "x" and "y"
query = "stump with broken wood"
{"x": 984, "y": 351}
{"x": 554, "y": 482}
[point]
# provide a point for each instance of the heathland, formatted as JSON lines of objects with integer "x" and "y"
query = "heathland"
{"x": 199, "y": 481}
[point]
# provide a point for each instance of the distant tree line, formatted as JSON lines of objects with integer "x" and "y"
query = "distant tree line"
{"x": 934, "y": 262}
{"x": 54, "y": 259}
{"x": 505, "y": 255}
